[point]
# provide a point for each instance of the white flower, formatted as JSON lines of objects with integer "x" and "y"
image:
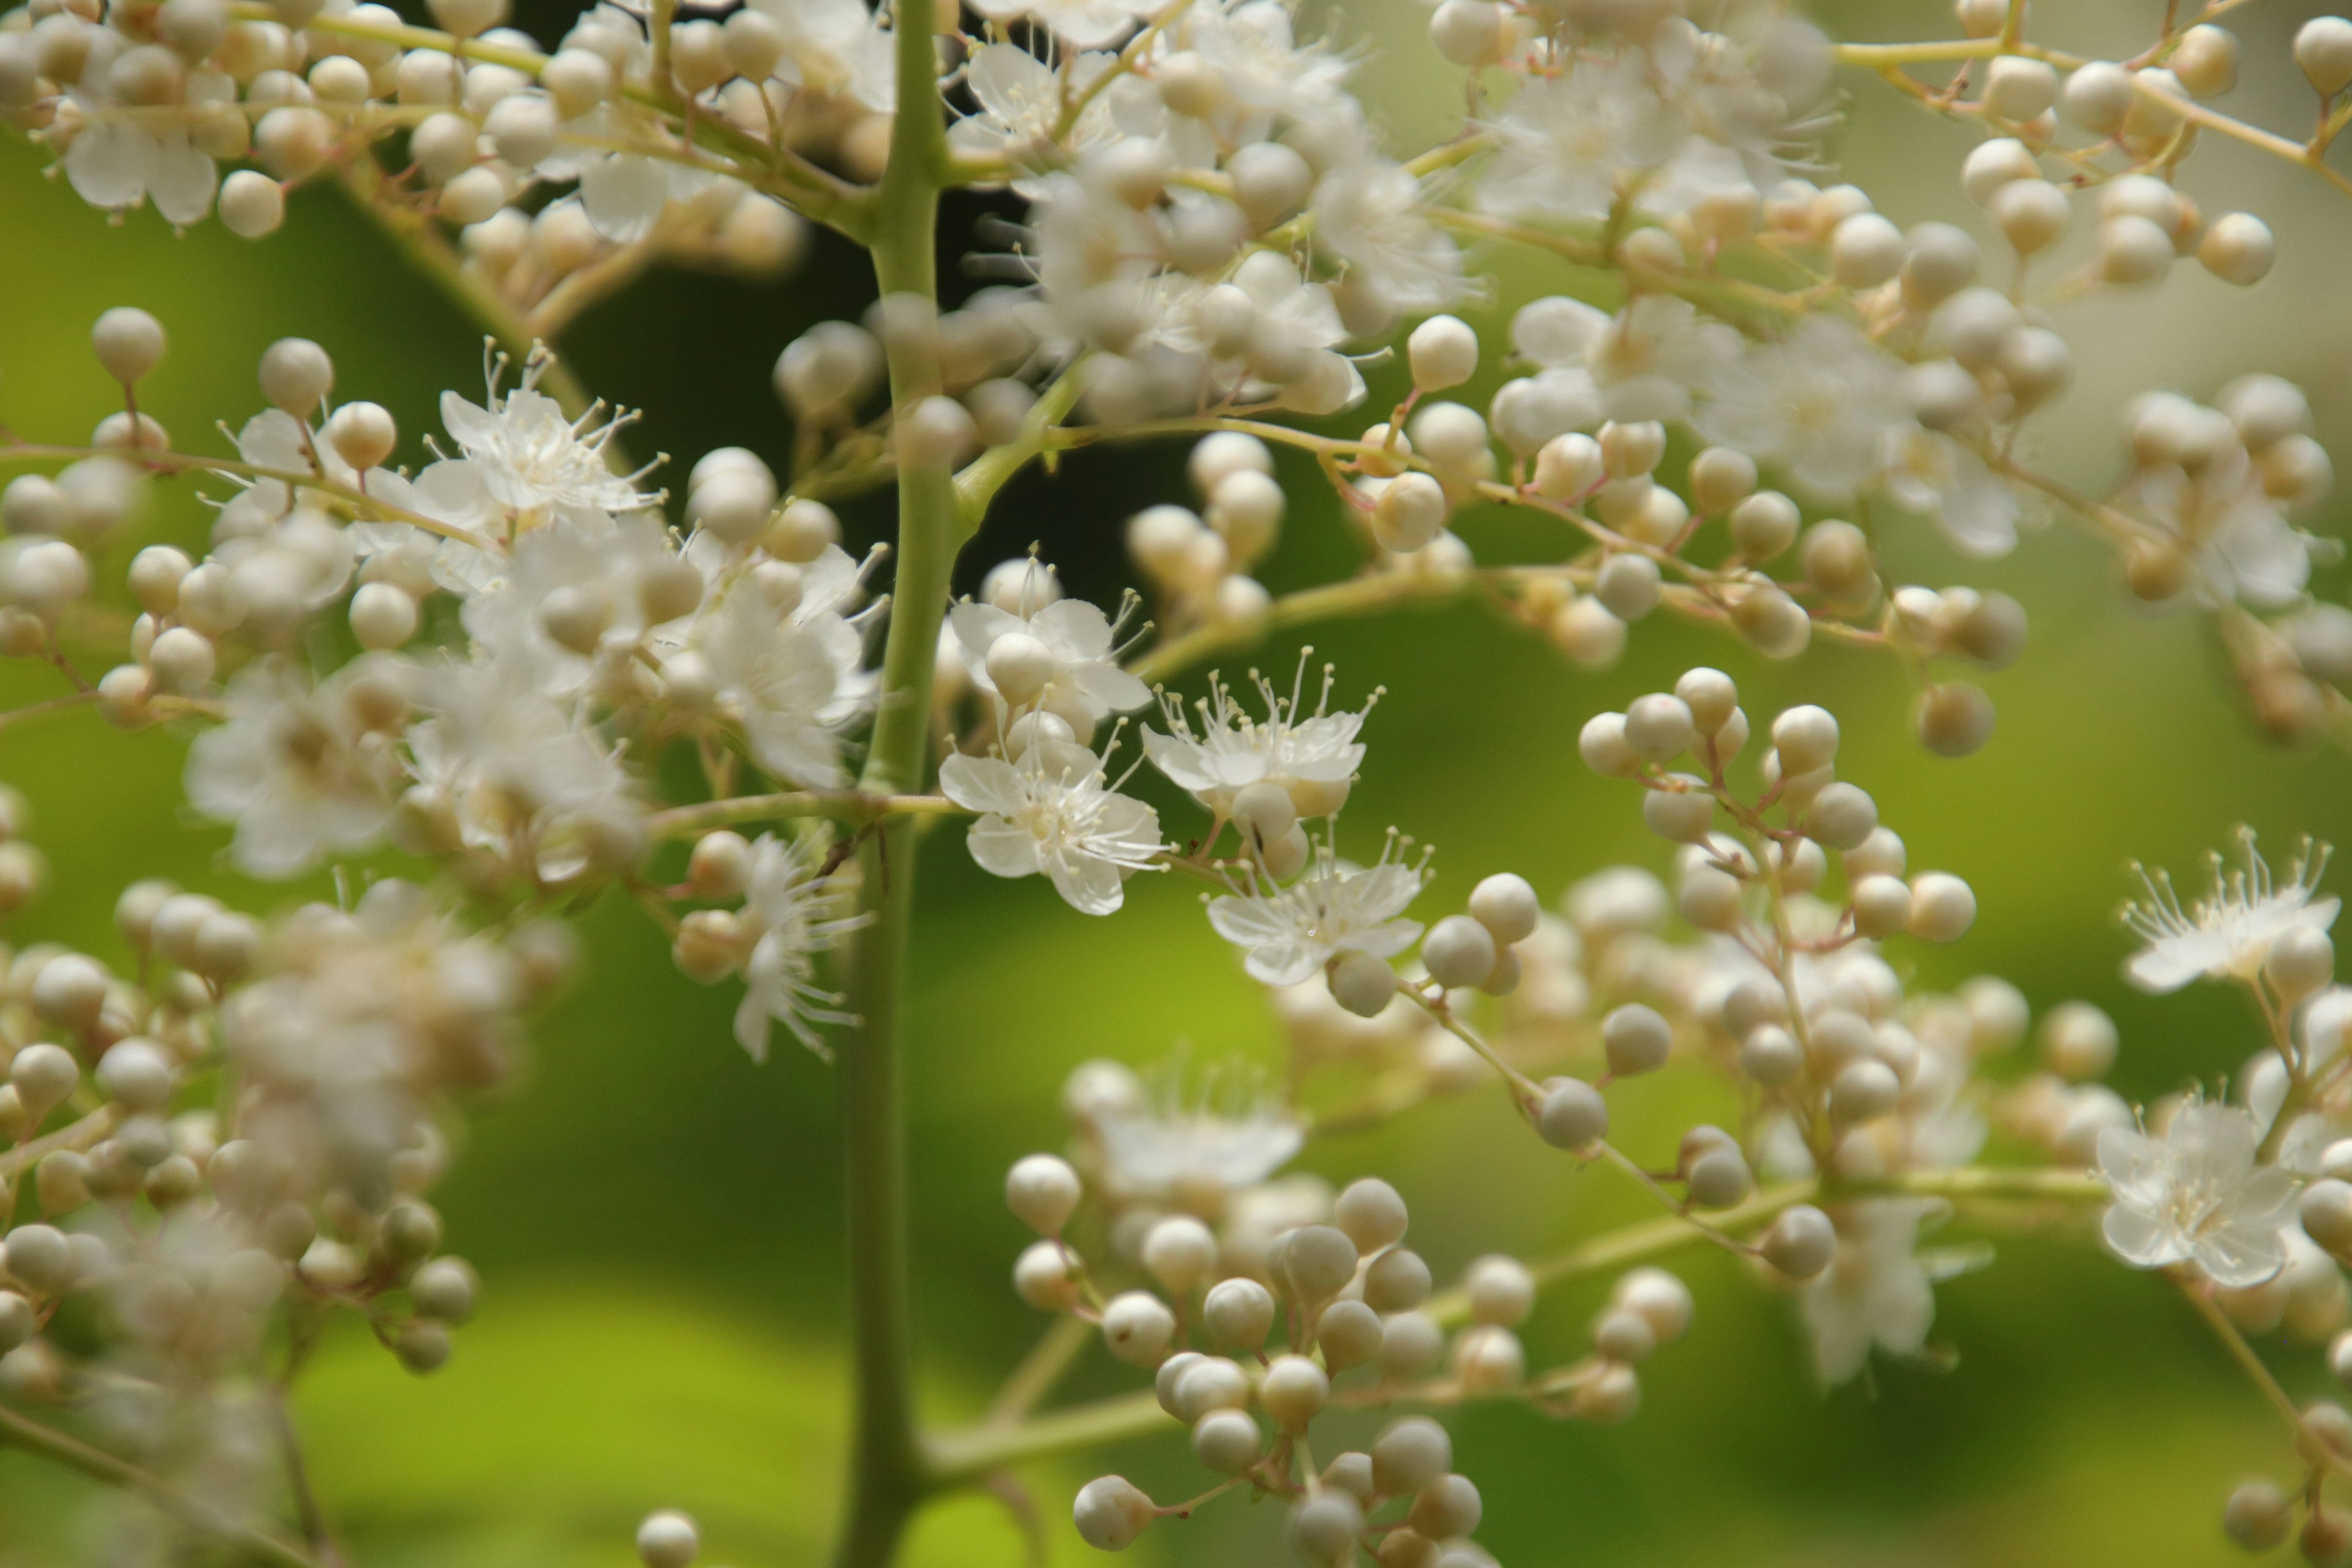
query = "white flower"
{"x": 1263, "y": 68}
{"x": 837, "y": 49}
{"x": 521, "y": 775}
{"x": 1232, "y": 751}
{"x": 1825, "y": 401}
{"x": 1053, "y": 813}
{"x": 1933, "y": 473}
{"x": 2243, "y": 544}
{"x": 295, "y": 769}
{"x": 2228, "y": 932}
{"x": 1372, "y": 216}
{"x": 789, "y": 915}
{"x": 116, "y": 160}
{"x": 1646, "y": 360}
{"x": 1020, "y": 101}
{"x": 1215, "y": 1140}
{"x": 1290, "y": 932}
{"x": 2197, "y": 1196}
{"x": 794, "y": 685}
{"x": 585, "y": 586}
{"x": 1570, "y": 144}
{"x": 1078, "y": 23}
{"x": 1079, "y": 638}
{"x": 1876, "y": 1292}
{"x": 535, "y": 461}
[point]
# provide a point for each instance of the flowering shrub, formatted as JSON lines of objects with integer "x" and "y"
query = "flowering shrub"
{"x": 517, "y": 669}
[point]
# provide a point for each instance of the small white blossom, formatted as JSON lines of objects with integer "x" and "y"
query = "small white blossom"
{"x": 1876, "y": 1293}
{"x": 1232, "y": 751}
{"x": 1824, "y": 400}
{"x": 1290, "y": 932}
{"x": 297, "y": 769}
{"x": 2228, "y": 932}
{"x": 1646, "y": 360}
{"x": 1217, "y": 1140}
{"x": 789, "y": 915}
{"x": 1080, "y": 639}
{"x": 793, "y": 686}
{"x": 1053, "y": 813}
{"x": 534, "y": 460}
{"x": 2196, "y": 1195}
{"x": 1372, "y": 215}
{"x": 1570, "y": 144}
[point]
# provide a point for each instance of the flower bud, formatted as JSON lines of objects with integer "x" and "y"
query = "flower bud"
{"x": 1042, "y": 1191}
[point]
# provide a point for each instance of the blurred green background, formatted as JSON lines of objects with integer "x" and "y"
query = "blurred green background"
{"x": 655, "y": 1217}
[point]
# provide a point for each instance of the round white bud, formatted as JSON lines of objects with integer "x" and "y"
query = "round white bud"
{"x": 668, "y": 1540}
{"x": 1469, "y": 33}
{"x": 1637, "y": 1039}
{"x": 1843, "y": 815}
{"x": 1137, "y": 1326}
{"x": 1110, "y": 1512}
{"x": 1443, "y": 352}
{"x": 1771, "y": 1054}
{"x": 2078, "y": 1041}
{"x": 2299, "y": 962}
{"x": 1315, "y": 1262}
{"x": 1410, "y": 1454}
{"x": 1238, "y": 1313}
{"x": 383, "y": 615}
{"x": 2097, "y": 96}
{"x": 1506, "y": 906}
{"x": 1294, "y": 1392}
{"x": 1572, "y": 1114}
{"x": 1045, "y": 1277}
{"x": 1042, "y": 1191}
{"x": 296, "y": 375}
{"x": 1180, "y": 1252}
{"x": 1942, "y": 907}
{"x": 2205, "y": 60}
{"x": 2017, "y": 89}
{"x": 1801, "y": 1243}
{"x": 128, "y": 342}
{"x": 1226, "y": 1441}
{"x": 1683, "y": 813}
{"x": 362, "y": 434}
{"x": 1863, "y": 1090}
{"x": 1362, "y": 984}
{"x": 1459, "y": 951}
{"x": 1865, "y": 250}
{"x": 1410, "y": 512}
{"x": 2257, "y": 1515}
{"x": 1881, "y": 905}
{"x": 1372, "y": 1214}
{"x": 2238, "y": 249}
{"x": 2323, "y": 48}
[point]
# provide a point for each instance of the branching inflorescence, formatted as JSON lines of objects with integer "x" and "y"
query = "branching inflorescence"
{"x": 1746, "y": 380}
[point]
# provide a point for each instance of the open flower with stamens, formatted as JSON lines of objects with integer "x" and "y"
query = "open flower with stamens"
{"x": 2197, "y": 1196}
{"x": 1078, "y": 639}
{"x": 1053, "y": 813}
{"x": 1195, "y": 1147}
{"x": 1290, "y": 932}
{"x": 2226, "y": 933}
{"x": 533, "y": 459}
{"x": 1312, "y": 755}
{"x": 789, "y": 915}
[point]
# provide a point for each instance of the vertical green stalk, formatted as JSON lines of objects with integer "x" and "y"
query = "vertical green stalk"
{"x": 886, "y": 1468}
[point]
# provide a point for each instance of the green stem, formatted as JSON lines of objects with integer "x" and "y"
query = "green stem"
{"x": 257, "y": 1545}
{"x": 887, "y": 1472}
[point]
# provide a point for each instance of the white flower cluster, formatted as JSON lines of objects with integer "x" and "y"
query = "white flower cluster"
{"x": 203, "y": 1224}
{"x": 516, "y": 665}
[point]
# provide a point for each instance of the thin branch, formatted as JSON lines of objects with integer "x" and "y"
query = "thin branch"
{"x": 22, "y": 1432}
